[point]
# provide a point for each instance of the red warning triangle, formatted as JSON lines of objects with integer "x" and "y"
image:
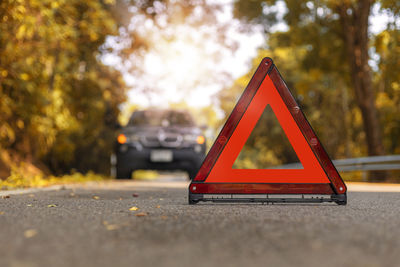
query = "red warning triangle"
{"x": 217, "y": 175}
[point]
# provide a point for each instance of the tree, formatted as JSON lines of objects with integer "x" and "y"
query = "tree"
{"x": 334, "y": 36}
{"x": 354, "y": 21}
{"x": 58, "y": 102}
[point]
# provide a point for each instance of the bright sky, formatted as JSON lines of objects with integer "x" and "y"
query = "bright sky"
{"x": 188, "y": 68}
{"x": 191, "y": 65}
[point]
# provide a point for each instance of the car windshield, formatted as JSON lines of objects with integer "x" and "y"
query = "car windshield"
{"x": 160, "y": 118}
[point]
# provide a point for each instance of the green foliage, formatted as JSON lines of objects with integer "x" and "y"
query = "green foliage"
{"x": 311, "y": 56}
{"x": 58, "y": 102}
{"x": 59, "y": 105}
{"x": 387, "y": 45}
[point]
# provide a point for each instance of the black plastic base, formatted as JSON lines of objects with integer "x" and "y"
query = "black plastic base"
{"x": 267, "y": 198}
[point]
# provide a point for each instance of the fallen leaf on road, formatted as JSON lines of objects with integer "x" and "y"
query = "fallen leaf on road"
{"x": 1, "y": 212}
{"x": 133, "y": 208}
{"x": 158, "y": 206}
{"x": 30, "y": 233}
{"x": 29, "y": 205}
{"x": 31, "y": 195}
{"x": 72, "y": 194}
{"x": 3, "y": 197}
{"x": 135, "y": 195}
{"x": 111, "y": 227}
{"x": 51, "y": 205}
{"x": 141, "y": 214}
{"x": 164, "y": 217}
{"x": 161, "y": 199}
{"x": 96, "y": 197}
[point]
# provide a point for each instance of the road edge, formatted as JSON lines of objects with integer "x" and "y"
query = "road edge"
{"x": 31, "y": 190}
{"x": 352, "y": 187}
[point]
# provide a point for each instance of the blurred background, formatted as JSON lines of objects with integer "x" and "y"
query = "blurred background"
{"x": 73, "y": 71}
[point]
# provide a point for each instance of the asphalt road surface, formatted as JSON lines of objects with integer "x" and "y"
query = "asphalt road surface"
{"x": 92, "y": 225}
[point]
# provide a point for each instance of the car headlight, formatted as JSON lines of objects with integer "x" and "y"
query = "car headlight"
{"x": 190, "y": 138}
{"x": 199, "y": 139}
{"x": 134, "y": 138}
{"x": 121, "y": 139}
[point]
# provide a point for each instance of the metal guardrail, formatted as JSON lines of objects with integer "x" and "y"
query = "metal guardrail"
{"x": 374, "y": 163}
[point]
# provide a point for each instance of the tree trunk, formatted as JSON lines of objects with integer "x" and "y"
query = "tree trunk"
{"x": 354, "y": 20}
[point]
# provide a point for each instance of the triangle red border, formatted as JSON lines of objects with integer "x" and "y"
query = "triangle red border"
{"x": 267, "y": 88}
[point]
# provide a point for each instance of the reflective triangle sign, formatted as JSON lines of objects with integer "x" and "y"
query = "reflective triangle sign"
{"x": 217, "y": 180}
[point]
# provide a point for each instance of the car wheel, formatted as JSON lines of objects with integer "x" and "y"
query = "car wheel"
{"x": 124, "y": 174}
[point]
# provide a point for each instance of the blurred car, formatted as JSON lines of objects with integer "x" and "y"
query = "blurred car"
{"x": 157, "y": 139}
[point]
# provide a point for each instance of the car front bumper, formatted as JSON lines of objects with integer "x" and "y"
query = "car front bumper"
{"x": 131, "y": 157}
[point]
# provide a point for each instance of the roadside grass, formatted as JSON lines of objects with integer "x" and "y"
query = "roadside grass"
{"x": 21, "y": 179}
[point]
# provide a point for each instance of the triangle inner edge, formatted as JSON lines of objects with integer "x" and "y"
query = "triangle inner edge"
{"x": 268, "y": 146}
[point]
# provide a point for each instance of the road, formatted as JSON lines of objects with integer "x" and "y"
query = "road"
{"x": 92, "y": 225}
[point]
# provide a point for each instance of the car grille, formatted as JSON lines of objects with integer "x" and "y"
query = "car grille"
{"x": 162, "y": 140}
{"x": 151, "y": 141}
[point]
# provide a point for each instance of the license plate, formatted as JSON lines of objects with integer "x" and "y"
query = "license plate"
{"x": 161, "y": 156}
